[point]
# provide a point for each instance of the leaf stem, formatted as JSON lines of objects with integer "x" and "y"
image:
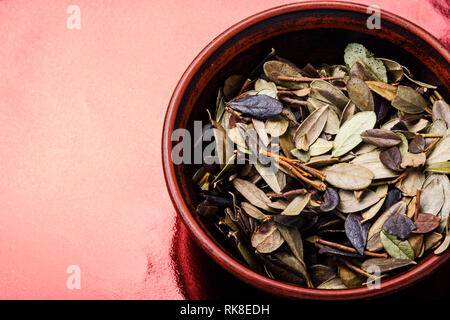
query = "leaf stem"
{"x": 355, "y": 268}
{"x": 306, "y": 79}
{"x": 319, "y": 185}
{"x": 349, "y": 249}
{"x": 431, "y": 146}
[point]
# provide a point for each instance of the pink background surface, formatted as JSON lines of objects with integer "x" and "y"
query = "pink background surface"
{"x": 81, "y": 115}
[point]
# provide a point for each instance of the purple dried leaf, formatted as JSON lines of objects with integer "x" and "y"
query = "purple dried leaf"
{"x": 356, "y": 232}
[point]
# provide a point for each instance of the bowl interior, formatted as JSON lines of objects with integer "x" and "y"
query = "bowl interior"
{"x": 307, "y": 36}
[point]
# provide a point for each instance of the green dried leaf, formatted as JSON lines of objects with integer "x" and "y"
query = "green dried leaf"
{"x": 348, "y": 176}
{"x": 439, "y": 167}
{"x": 408, "y": 100}
{"x": 296, "y": 205}
{"x": 349, "y": 135}
{"x": 357, "y": 52}
{"x": 396, "y": 248}
{"x": 320, "y": 146}
{"x": 360, "y": 94}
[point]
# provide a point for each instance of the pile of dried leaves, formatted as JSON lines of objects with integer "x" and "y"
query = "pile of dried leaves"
{"x": 350, "y": 171}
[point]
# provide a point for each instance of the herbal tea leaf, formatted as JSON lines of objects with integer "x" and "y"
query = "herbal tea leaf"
{"x": 426, "y": 222}
{"x": 349, "y": 135}
{"x": 381, "y": 138}
{"x": 349, "y": 203}
{"x": 296, "y": 205}
{"x": 395, "y": 248}
{"x": 267, "y": 238}
{"x": 408, "y": 100}
{"x": 360, "y": 94}
{"x": 259, "y": 106}
{"x": 399, "y": 225}
{"x": 391, "y": 158}
{"x": 311, "y": 128}
{"x": 348, "y": 176}
{"x": 385, "y": 265}
{"x": 356, "y": 232}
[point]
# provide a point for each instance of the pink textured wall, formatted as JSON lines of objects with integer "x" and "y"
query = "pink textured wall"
{"x": 81, "y": 115}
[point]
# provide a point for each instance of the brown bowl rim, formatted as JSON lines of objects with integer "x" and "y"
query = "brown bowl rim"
{"x": 224, "y": 259}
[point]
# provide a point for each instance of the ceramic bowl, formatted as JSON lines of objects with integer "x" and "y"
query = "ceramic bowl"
{"x": 314, "y": 32}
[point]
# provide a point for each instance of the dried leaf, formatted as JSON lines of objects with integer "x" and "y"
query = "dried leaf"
{"x": 426, "y": 222}
{"x": 259, "y": 106}
{"x": 441, "y": 110}
{"x": 360, "y": 70}
{"x": 276, "y": 126}
{"x": 232, "y": 86}
{"x": 417, "y": 144}
{"x": 439, "y": 167}
{"x": 332, "y": 125}
{"x": 265, "y": 87}
{"x": 357, "y": 52}
{"x": 391, "y": 158}
{"x": 348, "y": 176}
{"x": 296, "y": 205}
{"x": 433, "y": 195}
{"x": 320, "y": 274}
{"x": 413, "y": 160}
{"x": 399, "y": 225}
{"x": 310, "y": 129}
{"x": 444, "y": 245}
{"x": 350, "y": 278}
{"x": 385, "y": 265}
{"x": 372, "y": 162}
{"x": 331, "y": 200}
{"x": 431, "y": 239}
{"x": 326, "y": 92}
{"x": 350, "y": 134}
{"x": 385, "y": 90}
{"x": 320, "y": 146}
{"x": 253, "y": 212}
{"x": 373, "y": 242}
{"x": 360, "y": 94}
{"x": 348, "y": 112}
{"x": 381, "y": 138}
{"x": 356, "y": 232}
{"x": 373, "y": 210}
{"x": 274, "y": 68}
{"x": 395, "y": 248}
{"x": 394, "y": 69}
{"x": 252, "y": 193}
{"x": 408, "y": 100}
{"x": 416, "y": 242}
{"x": 413, "y": 181}
{"x": 267, "y": 238}
{"x": 260, "y": 129}
{"x": 441, "y": 152}
{"x": 348, "y": 202}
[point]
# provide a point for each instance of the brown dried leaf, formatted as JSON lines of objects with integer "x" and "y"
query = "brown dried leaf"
{"x": 381, "y": 138}
{"x": 391, "y": 158}
{"x": 267, "y": 238}
{"x": 360, "y": 94}
{"x": 426, "y": 222}
{"x": 311, "y": 128}
{"x": 385, "y": 90}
